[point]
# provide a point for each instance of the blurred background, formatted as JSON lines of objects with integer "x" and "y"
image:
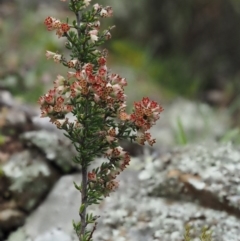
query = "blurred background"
{"x": 183, "y": 53}
{"x": 166, "y": 49}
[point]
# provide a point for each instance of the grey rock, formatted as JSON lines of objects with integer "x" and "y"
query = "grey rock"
{"x": 19, "y": 112}
{"x": 54, "y": 217}
{"x": 54, "y": 234}
{"x": 56, "y": 147}
{"x": 206, "y": 173}
{"x": 127, "y": 214}
{"x": 31, "y": 178}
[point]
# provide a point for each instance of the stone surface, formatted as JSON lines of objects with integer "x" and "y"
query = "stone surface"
{"x": 56, "y": 213}
{"x": 128, "y": 214}
{"x": 56, "y": 147}
{"x": 209, "y": 174}
{"x": 31, "y": 178}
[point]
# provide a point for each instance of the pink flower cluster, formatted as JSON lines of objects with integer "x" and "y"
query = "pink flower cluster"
{"x": 145, "y": 115}
{"x": 55, "y": 24}
{"x": 101, "y": 87}
{"x": 55, "y": 104}
{"x": 106, "y": 177}
{"x": 104, "y": 90}
{"x": 104, "y": 12}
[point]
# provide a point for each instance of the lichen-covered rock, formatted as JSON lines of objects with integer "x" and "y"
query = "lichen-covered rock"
{"x": 56, "y": 213}
{"x": 57, "y": 148}
{"x": 128, "y": 214}
{"x": 31, "y": 178}
{"x": 209, "y": 174}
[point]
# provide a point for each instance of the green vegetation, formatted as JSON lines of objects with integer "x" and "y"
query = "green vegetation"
{"x": 171, "y": 74}
{"x": 2, "y": 139}
{"x": 205, "y": 235}
{"x": 181, "y": 134}
{"x": 231, "y": 135}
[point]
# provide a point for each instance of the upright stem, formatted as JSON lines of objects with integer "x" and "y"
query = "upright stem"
{"x": 78, "y": 16}
{"x": 84, "y": 200}
{"x": 84, "y": 165}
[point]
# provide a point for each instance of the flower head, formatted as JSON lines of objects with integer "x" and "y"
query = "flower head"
{"x": 86, "y": 2}
{"x": 93, "y": 35}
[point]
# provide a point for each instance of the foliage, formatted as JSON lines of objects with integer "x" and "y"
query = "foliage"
{"x": 181, "y": 134}
{"x": 205, "y": 235}
{"x": 95, "y": 98}
{"x": 172, "y": 73}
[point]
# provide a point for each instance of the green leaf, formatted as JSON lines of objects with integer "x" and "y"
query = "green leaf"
{"x": 77, "y": 187}
{"x": 181, "y": 135}
{"x": 230, "y": 135}
{"x": 82, "y": 208}
{"x": 74, "y": 23}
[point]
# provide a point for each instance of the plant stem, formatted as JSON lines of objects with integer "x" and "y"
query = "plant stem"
{"x": 84, "y": 200}
{"x": 78, "y": 17}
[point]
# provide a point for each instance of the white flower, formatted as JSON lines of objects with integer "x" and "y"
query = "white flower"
{"x": 103, "y": 13}
{"x": 96, "y": 7}
{"x": 60, "y": 122}
{"x": 57, "y": 58}
{"x": 72, "y": 63}
{"x": 49, "y": 54}
{"x": 93, "y": 35}
{"x": 59, "y": 81}
{"x": 86, "y": 2}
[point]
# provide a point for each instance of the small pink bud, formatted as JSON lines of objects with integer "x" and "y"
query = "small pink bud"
{"x": 86, "y": 2}
{"x": 57, "y": 58}
{"x": 93, "y": 35}
{"x": 71, "y": 75}
{"x": 49, "y": 54}
{"x": 72, "y": 63}
{"x": 59, "y": 81}
{"x": 96, "y": 7}
{"x": 96, "y": 24}
{"x": 92, "y": 176}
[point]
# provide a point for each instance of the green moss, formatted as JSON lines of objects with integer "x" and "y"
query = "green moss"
{"x": 206, "y": 234}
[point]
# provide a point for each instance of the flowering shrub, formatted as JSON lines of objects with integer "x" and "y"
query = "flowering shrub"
{"x": 95, "y": 98}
